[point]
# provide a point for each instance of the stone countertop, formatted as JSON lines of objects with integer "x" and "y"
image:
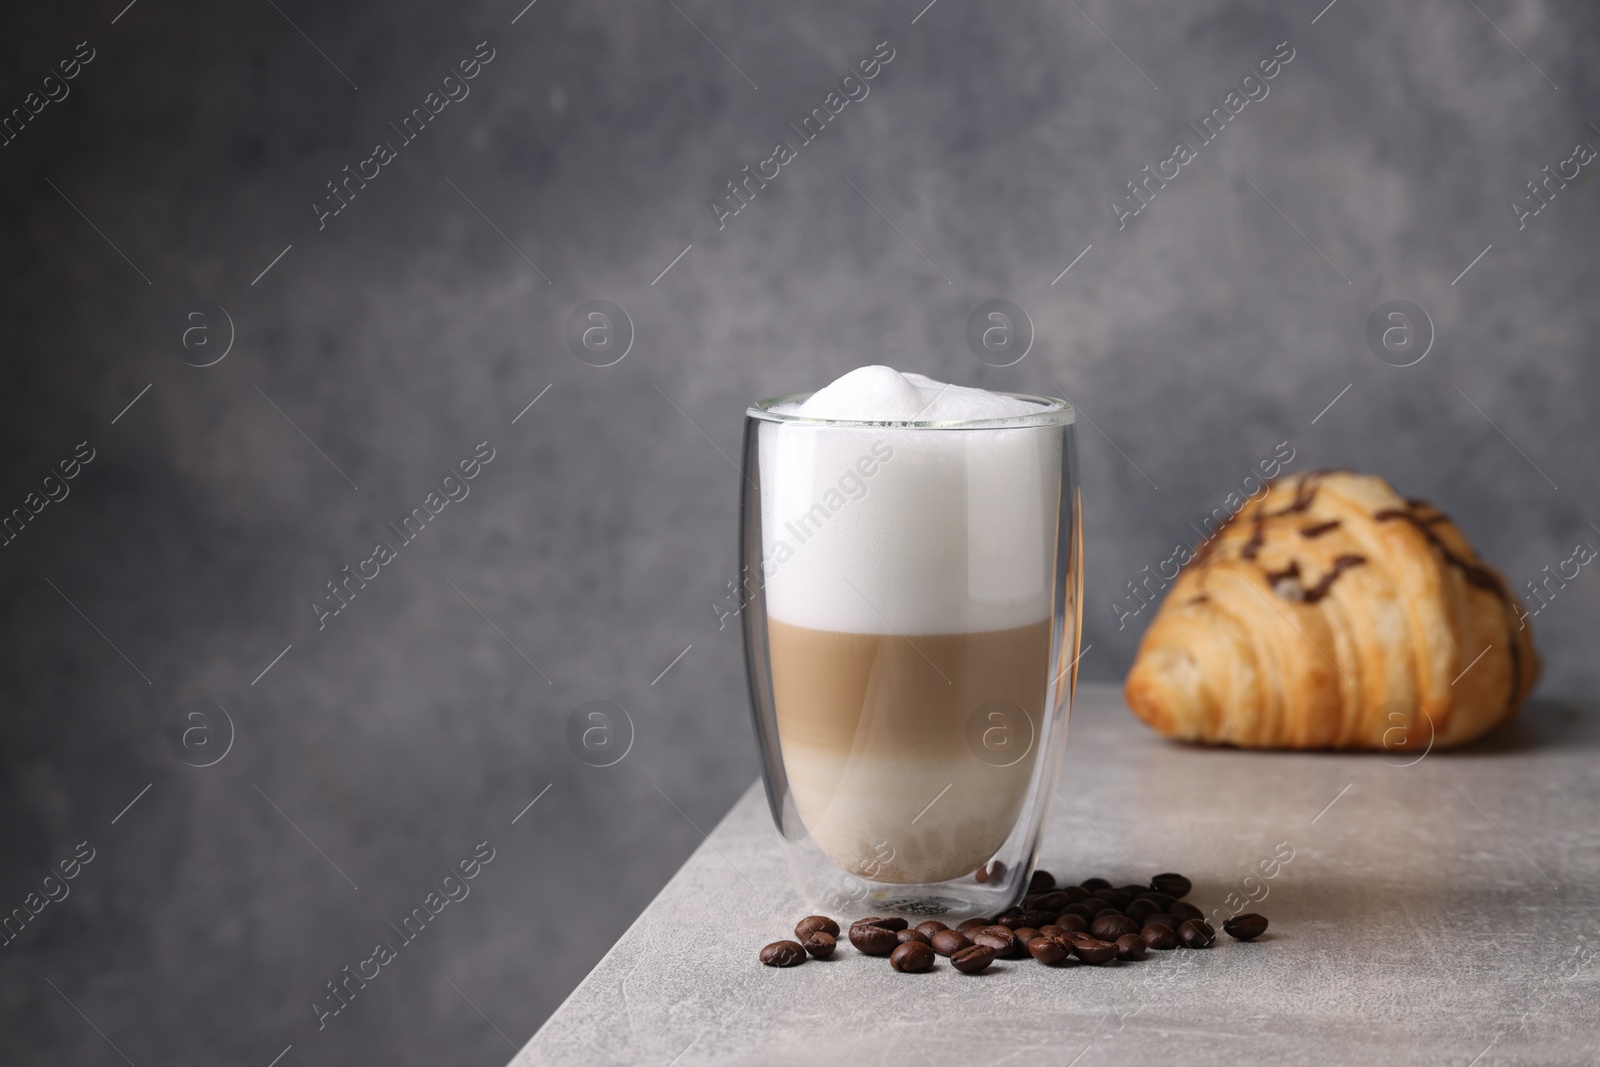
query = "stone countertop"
{"x": 1443, "y": 912}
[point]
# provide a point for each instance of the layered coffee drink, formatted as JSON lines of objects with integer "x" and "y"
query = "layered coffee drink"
{"x": 909, "y": 583}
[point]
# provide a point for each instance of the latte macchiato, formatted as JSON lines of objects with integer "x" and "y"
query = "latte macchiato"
{"x": 908, "y": 578}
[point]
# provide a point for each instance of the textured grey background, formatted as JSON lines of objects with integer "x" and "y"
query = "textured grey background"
{"x": 196, "y": 141}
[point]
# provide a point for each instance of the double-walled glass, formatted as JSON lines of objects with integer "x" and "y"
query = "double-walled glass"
{"x": 913, "y": 607}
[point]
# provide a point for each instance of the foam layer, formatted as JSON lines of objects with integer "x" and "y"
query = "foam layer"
{"x": 882, "y": 530}
{"x": 883, "y": 394}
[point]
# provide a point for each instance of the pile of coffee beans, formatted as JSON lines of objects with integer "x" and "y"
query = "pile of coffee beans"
{"x": 1092, "y": 922}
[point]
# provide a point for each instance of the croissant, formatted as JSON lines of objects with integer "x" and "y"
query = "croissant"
{"x": 1332, "y": 613}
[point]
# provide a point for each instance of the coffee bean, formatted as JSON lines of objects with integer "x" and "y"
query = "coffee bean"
{"x": 1197, "y": 933}
{"x": 1072, "y": 937}
{"x": 1111, "y": 927}
{"x": 873, "y": 940}
{"x": 1246, "y": 927}
{"x": 949, "y": 942}
{"x": 1093, "y": 950}
{"x": 904, "y": 936}
{"x": 1175, "y": 885}
{"x": 1025, "y": 934}
{"x": 812, "y": 923}
{"x": 1071, "y": 921}
{"x": 1053, "y": 902}
{"x": 1047, "y": 950}
{"x": 973, "y": 959}
{"x": 974, "y": 924}
{"x": 1160, "y": 900}
{"x": 1102, "y": 913}
{"x": 1040, "y": 881}
{"x": 1130, "y": 947}
{"x": 1111, "y": 896}
{"x": 991, "y": 872}
{"x": 998, "y": 938}
{"x": 913, "y": 957}
{"x": 892, "y": 924}
{"x": 1083, "y": 909}
{"x": 1164, "y": 918}
{"x": 1159, "y": 935}
{"x": 1185, "y": 911}
{"x": 1012, "y": 921}
{"x": 820, "y": 944}
{"x": 1074, "y": 894}
{"x": 1051, "y": 930}
{"x": 1091, "y": 884}
{"x": 931, "y": 927}
{"x": 1140, "y": 909}
{"x": 1132, "y": 891}
{"x": 783, "y": 954}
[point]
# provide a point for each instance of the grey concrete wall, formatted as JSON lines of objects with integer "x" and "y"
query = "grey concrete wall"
{"x": 421, "y": 319}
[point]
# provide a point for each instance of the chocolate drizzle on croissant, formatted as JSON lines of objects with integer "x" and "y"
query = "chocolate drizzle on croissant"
{"x": 1258, "y": 534}
{"x": 1478, "y": 576}
{"x": 1340, "y": 565}
{"x": 1287, "y": 583}
{"x": 1277, "y": 578}
{"x": 1328, "y": 603}
{"x": 1481, "y": 577}
{"x": 1305, "y": 494}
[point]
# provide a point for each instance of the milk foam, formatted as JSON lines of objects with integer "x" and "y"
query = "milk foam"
{"x": 882, "y": 530}
{"x": 883, "y": 394}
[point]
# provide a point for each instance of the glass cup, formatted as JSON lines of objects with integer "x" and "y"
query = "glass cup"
{"x": 913, "y": 606}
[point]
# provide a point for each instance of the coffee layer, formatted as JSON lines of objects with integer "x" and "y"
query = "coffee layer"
{"x": 909, "y": 757}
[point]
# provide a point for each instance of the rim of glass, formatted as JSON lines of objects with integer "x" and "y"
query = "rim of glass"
{"x": 1053, "y": 411}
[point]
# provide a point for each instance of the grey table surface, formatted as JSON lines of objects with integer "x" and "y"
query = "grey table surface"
{"x": 1442, "y": 912}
